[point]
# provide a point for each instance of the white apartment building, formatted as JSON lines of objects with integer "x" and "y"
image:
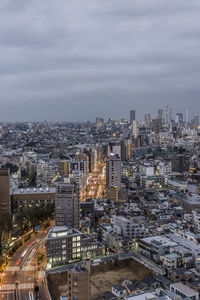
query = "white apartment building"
{"x": 128, "y": 227}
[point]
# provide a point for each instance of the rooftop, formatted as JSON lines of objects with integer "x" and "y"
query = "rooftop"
{"x": 187, "y": 291}
{"x": 40, "y": 190}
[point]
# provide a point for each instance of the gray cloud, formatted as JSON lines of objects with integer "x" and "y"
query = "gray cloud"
{"x": 74, "y": 60}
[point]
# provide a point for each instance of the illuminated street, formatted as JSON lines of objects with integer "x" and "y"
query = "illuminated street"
{"x": 22, "y": 273}
{"x": 95, "y": 188}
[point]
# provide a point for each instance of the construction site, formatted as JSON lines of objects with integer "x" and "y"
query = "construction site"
{"x": 103, "y": 276}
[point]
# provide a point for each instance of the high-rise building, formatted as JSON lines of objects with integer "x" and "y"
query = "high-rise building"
{"x": 160, "y": 116}
{"x": 67, "y": 205}
{"x": 113, "y": 171}
{"x": 132, "y": 116}
{"x": 64, "y": 167}
{"x": 79, "y": 285}
{"x": 179, "y": 118}
{"x": 115, "y": 148}
{"x": 180, "y": 163}
{"x": 187, "y": 115}
{"x": 168, "y": 115}
{"x": 196, "y": 120}
{"x": 147, "y": 120}
{"x": 156, "y": 125}
{"x": 100, "y": 124}
{"x": 5, "y": 204}
{"x": 135, "y": 129}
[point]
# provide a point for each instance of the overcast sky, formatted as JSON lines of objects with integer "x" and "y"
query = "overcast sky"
{"x": 78, "y": 59}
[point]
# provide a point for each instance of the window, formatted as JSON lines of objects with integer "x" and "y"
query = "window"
{"x": 75, "y": 278}
{"x": 75, "y": 283}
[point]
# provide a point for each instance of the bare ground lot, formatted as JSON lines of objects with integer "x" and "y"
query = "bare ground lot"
{"x": 103, "y": 277}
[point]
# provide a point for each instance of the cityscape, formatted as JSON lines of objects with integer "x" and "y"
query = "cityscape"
{"x": 100, "y": 150}
{"x": 101, "y": 210}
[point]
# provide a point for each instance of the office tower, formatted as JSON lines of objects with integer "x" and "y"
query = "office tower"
{"x": 79, "y": 285}
{"x": 196, "y": 120}
{"x": 78, "y": 166}
{"x": 168, "y": 115}
{"x": 67, "y": 205}
{"x": 180, "y": 163}
{"x": 179, "y": 118}
{"x": 147, "y": 120}
{"x": 156, "y": 125}
{"x": 64, "y": 167}
{"x": 132, "y": 116}
{"x": 187, "y": 115}
{"x": 160, "y": 116}
{"x": 113, "y": 171}
{"x": 135, "y": 129}
{"x": 5, "y": 204}
{"x": 100, "y": 124}
{"x": 114, "y": 147}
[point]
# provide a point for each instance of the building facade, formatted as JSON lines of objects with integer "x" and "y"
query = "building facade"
{"x": 67, "y": 205}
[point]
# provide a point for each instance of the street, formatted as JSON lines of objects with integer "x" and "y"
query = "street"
{"x": 95, "y": 187}
{"x": 22, "y": 273}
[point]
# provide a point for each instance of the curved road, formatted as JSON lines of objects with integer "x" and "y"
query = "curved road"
{"x": 22, "y": 272}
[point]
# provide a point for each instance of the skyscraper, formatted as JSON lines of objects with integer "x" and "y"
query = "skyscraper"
{"x": 135, "y": 129}
{"x": 132, "y": 116}
{"x": 187, "y": 115}
{"x": 168, "y": 114}
{"x": 67, "y": 205}
{"x": 147, "y": 120}
{"x": 100, "y": 124}
{"x": 179, "y": 118}
{"x": 160, "y": 115}
{"x": 113, "y": 171}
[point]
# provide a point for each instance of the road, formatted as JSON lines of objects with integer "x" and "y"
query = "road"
{"x": 22, "y": 273}
{"x": 95, "y": 188}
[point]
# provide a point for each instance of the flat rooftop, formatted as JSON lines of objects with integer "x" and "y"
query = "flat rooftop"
{"x": 41, "y": 190}
{"x": 187, "y": 291}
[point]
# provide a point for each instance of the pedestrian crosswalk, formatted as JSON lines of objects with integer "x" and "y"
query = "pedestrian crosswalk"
{"x": 21, "y": 286}
{"x": 7, "y": 287}
{"x": 29, "y": 268}
{"x": 25, "y": 286}
{"x": 12, "y": 269}
{"x": 15, "y": 269}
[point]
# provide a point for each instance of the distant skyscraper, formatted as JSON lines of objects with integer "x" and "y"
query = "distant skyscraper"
{"x": 67, "y": 205}
{"x": 113, "y": 171}
{"x": 196, "y": 120}
{"x": 187, "y": 115}
{"x": 147, "y": 120}
{"x": 168, "y": 114}
{"x": 135, "y": 129}
{"x": 179, "y": 118}
{"x": 160, "y": 115}
{"x": 100, "y": 124}
{"x": 132, "y": 116}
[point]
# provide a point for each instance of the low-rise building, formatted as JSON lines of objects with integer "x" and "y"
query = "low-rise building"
{"x": 184, "y": 291}
{"x": 33, "y": 197}
{"x": 65, "y": 245}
